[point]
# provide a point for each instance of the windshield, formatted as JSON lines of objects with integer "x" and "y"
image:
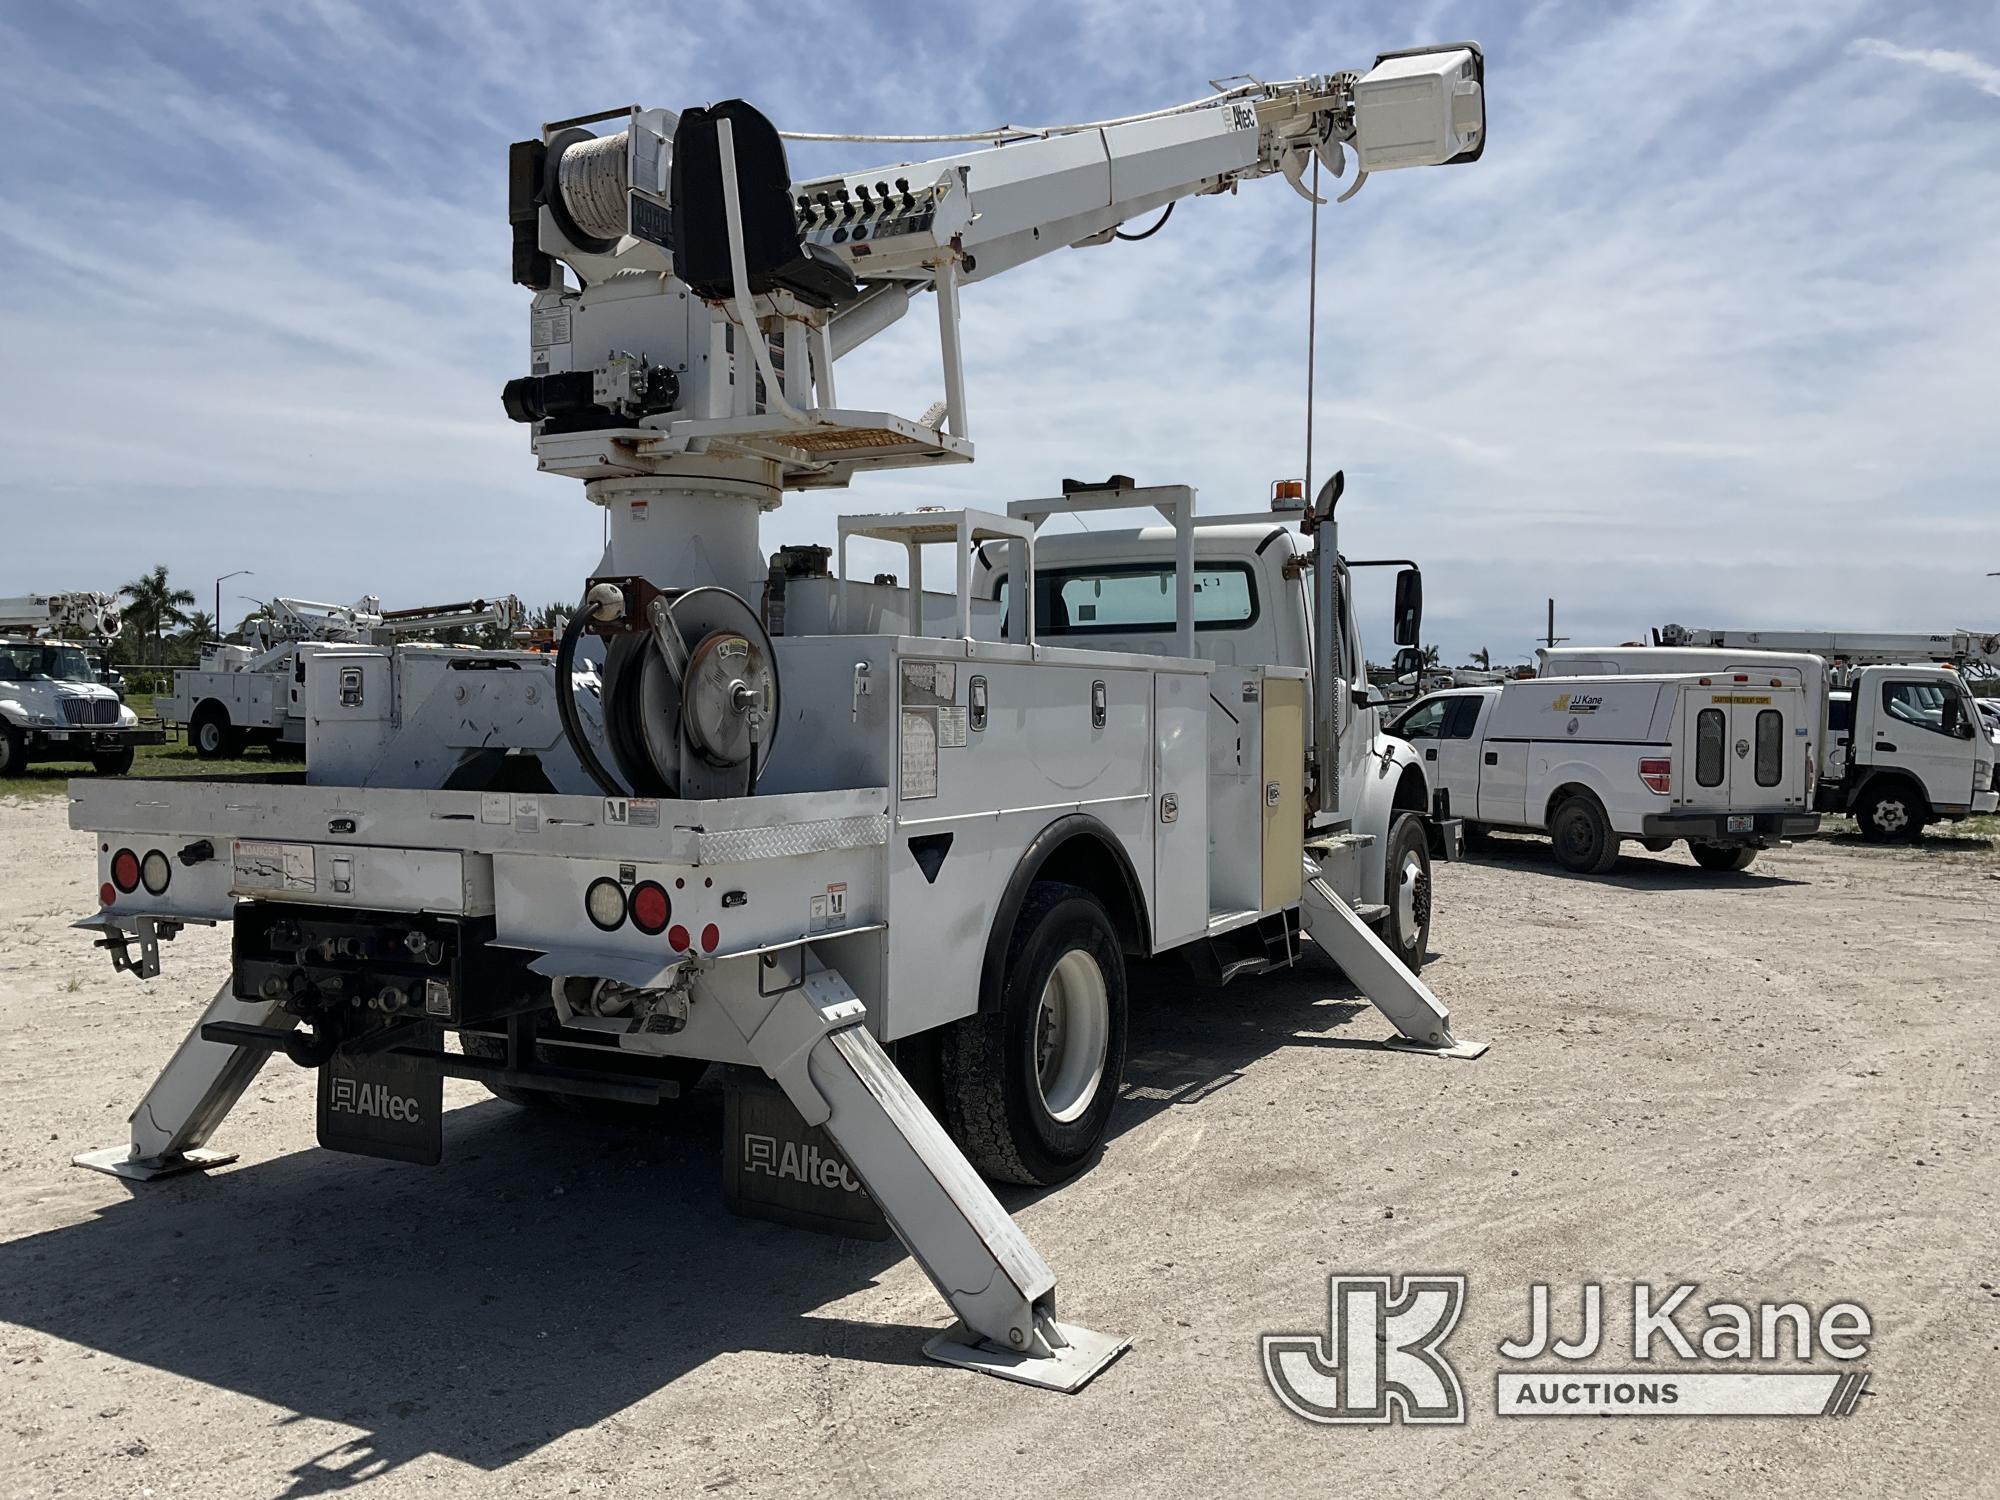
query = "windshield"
{"x": 38, "y": 662}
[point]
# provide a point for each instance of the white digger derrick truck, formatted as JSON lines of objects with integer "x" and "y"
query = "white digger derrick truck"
{"x": 1904, "y": 743}
{"x": 253, "y": 692}
{"x": 55, "y": 702}
{"x": 901, "y": 838}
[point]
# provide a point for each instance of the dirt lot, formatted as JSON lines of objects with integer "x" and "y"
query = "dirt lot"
{"x": 1779, "y": 1085}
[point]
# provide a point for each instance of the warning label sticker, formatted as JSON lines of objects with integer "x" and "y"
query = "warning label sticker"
{"x": 951, "y": 728}
{"x": 919, "y": 744}
{"x": 631, "y": 812}
{"x": 929, "y": 683}
{"x": 262, "y": 866}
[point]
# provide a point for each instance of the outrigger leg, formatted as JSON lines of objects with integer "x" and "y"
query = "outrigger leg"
{"x": 192, "y": 1095}
{"x": 810, "y": 1039}
{"x": 1363, "y": 957}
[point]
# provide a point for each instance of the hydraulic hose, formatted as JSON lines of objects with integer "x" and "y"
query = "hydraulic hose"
{"x": 573, "y": 728}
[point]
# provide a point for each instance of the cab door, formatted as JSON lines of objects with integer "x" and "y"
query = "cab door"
{"x": 1918, "y": 723}
{"x": 1457, "y": 751}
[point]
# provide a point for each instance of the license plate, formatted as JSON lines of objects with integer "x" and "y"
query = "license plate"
{"x": 1742, "y": 823}
{"x": 382, "y": 1105}
{"x": 57, "y": 734}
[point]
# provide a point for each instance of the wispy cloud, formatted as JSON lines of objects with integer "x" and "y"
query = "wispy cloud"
{"x": 1974, "y": 70}
{"x": 1662, "y": 354}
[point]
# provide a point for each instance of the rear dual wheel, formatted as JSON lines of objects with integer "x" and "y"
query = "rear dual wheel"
{"x": 1029, "y": 1088}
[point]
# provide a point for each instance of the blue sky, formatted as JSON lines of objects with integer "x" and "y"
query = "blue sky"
{"x": 1708, "y": 335}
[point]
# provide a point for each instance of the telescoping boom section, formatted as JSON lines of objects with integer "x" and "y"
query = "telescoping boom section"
{"x": 885, "y": 846}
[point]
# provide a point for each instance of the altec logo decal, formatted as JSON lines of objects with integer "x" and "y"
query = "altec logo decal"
{"x": 1381, "y": 1358}
{"x": 375, "y": 1101}
{"x": 797, "y": 1163}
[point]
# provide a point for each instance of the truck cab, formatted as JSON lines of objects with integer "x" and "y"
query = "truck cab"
{"x": 1253, "y": 609}
{"x": 1907, "y": 746}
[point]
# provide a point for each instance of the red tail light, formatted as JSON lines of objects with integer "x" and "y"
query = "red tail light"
{"x": 1658, "y": 775}
{"x": 125, "y": 871}
{"x": 650, "y": 907}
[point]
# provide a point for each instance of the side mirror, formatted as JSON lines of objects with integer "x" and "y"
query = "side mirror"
{"x": 1360, "y": 697}
{"x": 1409, "y": 660}
{"x": 1409, "y": 608}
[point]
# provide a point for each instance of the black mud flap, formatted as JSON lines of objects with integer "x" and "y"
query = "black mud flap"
{"x": 775, "y": 1166}
{"x": 379, "y": 1104}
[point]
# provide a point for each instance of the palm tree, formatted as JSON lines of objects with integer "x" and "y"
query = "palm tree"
{"x": 200, "y": 627}
{"x": 1484, "y": 659}
{"x": 156, "y": 604}
{"x": 1432, "y": 656}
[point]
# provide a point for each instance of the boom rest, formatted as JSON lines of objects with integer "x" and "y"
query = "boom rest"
{"x": 775, "y": 258}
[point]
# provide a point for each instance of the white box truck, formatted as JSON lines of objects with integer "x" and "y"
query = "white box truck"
{"x": 1722, "y": 761}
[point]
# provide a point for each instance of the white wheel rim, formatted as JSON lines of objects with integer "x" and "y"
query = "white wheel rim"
{"x": 211, "y": 736}
{"x": 1407, "y": 877}
{"x": 1892, "y": 816}
{"x": 1072, "y": 1034}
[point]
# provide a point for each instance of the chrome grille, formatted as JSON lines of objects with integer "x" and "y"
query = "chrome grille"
{"x": 90, "y": 710}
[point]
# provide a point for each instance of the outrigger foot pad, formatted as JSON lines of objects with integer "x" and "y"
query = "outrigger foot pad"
{"x": 120, "y": 1162}
{"x": 1455, "y": 1049}
{"x": 1069, "y": 1367}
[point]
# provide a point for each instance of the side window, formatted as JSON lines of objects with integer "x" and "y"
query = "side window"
{"x": 1770, "y": 747}
{"x": 1425, "y": 723}
{"x": 1461, "y": 718}
{"x": 1708, "y": 749}
{"x": 1840, "y": 715}
{"x": 1919, "y": 703}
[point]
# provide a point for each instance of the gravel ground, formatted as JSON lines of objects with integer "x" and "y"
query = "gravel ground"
{"x": 1779, "y": 1085}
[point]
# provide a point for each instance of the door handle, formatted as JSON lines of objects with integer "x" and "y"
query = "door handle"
{"x": 1097, "y": 705}
{"x": 1492, "y": 757}
{"x": 1430, "y": 754}
{"x": 1884, "y": 745}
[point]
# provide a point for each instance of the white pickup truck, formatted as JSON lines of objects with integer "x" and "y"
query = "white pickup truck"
{"x": 1724, "y": 761}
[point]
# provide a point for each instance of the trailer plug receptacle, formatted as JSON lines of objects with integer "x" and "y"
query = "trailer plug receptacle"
{"x": 196, "y": 853}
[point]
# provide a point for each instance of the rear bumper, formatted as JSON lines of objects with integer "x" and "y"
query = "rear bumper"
{"x": 89, "y": 739}
{"x": 1765, "y": 828}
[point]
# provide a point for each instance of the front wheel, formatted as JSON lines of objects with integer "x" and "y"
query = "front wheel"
{"x": 1722, "y": 856}
{"x": 113, "y": 762}
{"x": 13, "y": 751}
{"x": 1029, "y": 1088}
{"x": 1585, "y": 844}
{"x": 1890, "y": 813}
{"x": 1407, "y": 892}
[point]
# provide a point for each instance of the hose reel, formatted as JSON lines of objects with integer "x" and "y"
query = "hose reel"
{"x": 690, "y": 690}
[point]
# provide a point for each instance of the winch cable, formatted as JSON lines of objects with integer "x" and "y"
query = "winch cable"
{"x": 573, "y": 728}
{"x": 1312, "y": 327}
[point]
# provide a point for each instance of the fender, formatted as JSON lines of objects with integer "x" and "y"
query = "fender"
{"x": 14, "y": 713}
{"x": 1873, "y": 776}
{"x": 1580, "y": 773}
{"x": 1007, "y": 910}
